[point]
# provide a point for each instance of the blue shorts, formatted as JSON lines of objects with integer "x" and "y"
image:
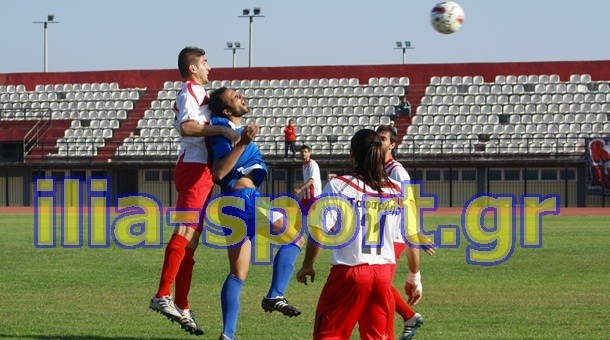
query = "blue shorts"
{"x": 248, "y": 213}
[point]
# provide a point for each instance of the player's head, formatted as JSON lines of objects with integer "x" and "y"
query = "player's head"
{"x": 225, "y": 102}
{"x": 388, "y": 138}
{"x": 305, "y": 153}
{"x": 193, "y": 65}
{"x": 368, "y": 157}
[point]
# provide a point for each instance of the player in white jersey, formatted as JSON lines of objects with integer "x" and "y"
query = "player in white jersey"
{"x": 359, "y": 286}
{"x": 194, "y": 183}
{"x": 395, "y": 170}
{"x": 312, "y": 183}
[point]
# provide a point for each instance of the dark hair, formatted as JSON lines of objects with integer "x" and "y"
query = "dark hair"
{"x": 216, "y": 104}
{"x": 388, "y": 129}
{"x": 369, "y": 158}
{"x": 187, "y": 57}
{"x": 305, "y": 147}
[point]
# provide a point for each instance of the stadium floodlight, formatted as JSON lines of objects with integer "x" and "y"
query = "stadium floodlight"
{"x": 234, "y": 46}
{"x": 404, "y": 48}
{"x": 256, "y": 13}
{"x": 50, "y": 20}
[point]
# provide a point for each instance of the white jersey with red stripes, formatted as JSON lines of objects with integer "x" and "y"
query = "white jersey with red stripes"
{"x": 374, "y": 231}
{"x": 397, "y": 172}
{"x": 312, "y": 170}
{"x": 192, "y": 104}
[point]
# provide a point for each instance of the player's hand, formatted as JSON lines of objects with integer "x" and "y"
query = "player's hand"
{"x": 249, "y": 133}
{"x": 231, "y": 135}
{"x": 297, "y": 191}
{"x": 304, "y": 272}
{"x": 413, "y": 288}
{"x": 414, "y": 293}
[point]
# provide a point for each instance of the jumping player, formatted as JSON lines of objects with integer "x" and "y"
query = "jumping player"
{"x": 240, "y": 170}
{"x": 194, "y": 183}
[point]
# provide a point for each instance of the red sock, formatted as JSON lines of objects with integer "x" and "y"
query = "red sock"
{"x": 174, "y": 252}
{"x": 401, "y": 306}
{"x": 183, "y": 279}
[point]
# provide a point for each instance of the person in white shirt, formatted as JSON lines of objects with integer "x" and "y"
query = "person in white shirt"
{"x": 312, "y": 183}
{"x": 359, "y": 286}
{"x": 194, "y": 183}
{"x": 397, "y": 172}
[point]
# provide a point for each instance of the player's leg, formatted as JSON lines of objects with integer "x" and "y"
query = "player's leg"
{"x": 187, "y": 177}
{"x": 342, "y": 301}
{"x": 185, "y": 272}
{"x": 239, "y": 262}
{"x": 377, "y": 318}
{"x": 283, "y": 267}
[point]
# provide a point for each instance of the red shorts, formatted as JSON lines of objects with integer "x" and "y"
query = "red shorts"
{"x": 194, "y": 184}
{"x": 399, "y": 247}
{"x": 360, "y": 294}
{"x": 306, "y": 203}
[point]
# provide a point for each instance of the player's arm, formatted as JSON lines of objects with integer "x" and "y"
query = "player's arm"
{"x": 311, "y": 253}
{"x": 223, "y": 165}
{"x": 304, "y": 186}
{"x": 192, "y": 128}
{"x": 413, "y": 286}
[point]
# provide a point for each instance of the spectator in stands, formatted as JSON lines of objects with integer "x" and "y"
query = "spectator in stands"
{"x": 239, "y": 169}
{"x": 312, "y": 183}
{"x": 404, "y": 109}
{"x": 290, "y": 138}
{"x": 193, "y": 181}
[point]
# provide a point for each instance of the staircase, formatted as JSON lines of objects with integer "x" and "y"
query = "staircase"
{"x": 127, "y": 126}
{"x": 416, "y": 92}
{"x": 46, "y": 140}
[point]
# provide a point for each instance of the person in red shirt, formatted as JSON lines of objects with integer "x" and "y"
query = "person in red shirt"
{"x": 290, "y": 138}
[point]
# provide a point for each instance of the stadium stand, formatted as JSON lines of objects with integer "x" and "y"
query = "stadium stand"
{"x": 523, "y": 113}
{"x": 478, "y": 119}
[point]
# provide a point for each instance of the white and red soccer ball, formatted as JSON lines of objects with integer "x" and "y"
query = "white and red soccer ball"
{"x": 447, "y": 17}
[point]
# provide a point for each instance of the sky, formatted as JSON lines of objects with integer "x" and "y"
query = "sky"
{"x": 148, "y": 34}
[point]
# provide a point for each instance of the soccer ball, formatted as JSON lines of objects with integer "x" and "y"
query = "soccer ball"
{"x": 447, "y": 17}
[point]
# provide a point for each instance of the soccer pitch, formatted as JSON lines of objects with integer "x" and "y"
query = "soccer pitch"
{"x": 560, "y": 291}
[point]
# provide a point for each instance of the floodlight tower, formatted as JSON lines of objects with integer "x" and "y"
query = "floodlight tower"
{"x": 404, "y": 49}
{"x": 50, "y": 20}
{"x": 234, "y": 46}
{"x": 256, "y": 13}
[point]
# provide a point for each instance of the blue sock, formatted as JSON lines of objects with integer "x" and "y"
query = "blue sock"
{"x": 229, "y": 301}
{"x": 283, "y": 266}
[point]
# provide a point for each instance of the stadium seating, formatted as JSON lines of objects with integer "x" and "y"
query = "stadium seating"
{"x": 536, "y": 113}
{"x": 514, "y": 114}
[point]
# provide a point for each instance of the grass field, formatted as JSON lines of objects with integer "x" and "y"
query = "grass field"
{"x": 561, "y": 291}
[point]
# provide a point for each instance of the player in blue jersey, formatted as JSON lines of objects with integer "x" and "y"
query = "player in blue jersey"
{"x": 239, "y": 170}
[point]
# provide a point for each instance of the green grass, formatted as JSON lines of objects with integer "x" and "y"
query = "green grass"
{"x": 561, "y": 291}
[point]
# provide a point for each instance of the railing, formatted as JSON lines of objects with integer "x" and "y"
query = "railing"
{"x": 410, "y": 148}
{"x": 36, "y": 132}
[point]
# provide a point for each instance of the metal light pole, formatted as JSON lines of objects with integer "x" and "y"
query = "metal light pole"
{"x": 234, "y": 46}
{"x": 50, "y": 20}
{"x": 404, "y": 49}
{"x": 256, "y": 13}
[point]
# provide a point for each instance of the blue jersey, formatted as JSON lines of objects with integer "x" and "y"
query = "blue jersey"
{"x": 250, "y": 161}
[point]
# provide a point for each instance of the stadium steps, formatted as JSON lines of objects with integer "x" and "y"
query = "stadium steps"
{"x": 46, "y": 144}
{"x": 416, "y": 92}
{"x": 127, "y": 126}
